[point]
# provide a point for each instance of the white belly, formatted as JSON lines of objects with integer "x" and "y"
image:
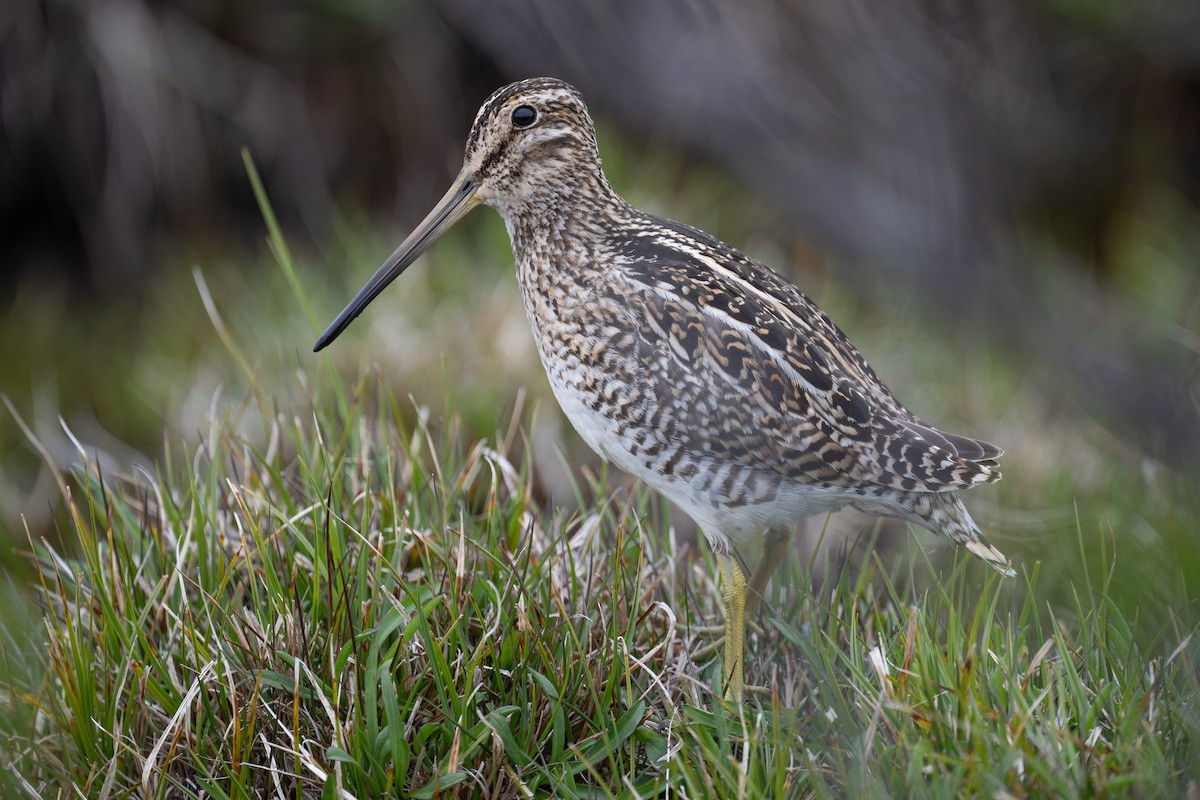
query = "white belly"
{"x": 792, "y": 501}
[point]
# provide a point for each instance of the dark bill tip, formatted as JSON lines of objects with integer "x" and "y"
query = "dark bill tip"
{"x": 449, "y": 210}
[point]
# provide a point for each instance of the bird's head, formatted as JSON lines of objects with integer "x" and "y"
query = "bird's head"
{"x": 531, "y": 141}
{"x": 532, "y": 144}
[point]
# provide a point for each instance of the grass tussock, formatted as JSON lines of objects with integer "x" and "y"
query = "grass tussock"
{"x": 364, "y": 607}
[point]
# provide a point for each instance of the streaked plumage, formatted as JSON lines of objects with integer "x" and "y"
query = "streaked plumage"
{"x": 687, "y": 363}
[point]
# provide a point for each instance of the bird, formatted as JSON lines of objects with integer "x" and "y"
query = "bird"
{"x": 687, "y": 363}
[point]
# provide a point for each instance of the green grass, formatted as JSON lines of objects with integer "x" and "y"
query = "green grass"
{"x": 363, "y": 607}
{"x": 327, "y": 589}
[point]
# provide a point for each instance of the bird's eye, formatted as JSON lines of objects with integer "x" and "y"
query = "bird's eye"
{"x": 523, "y": 116}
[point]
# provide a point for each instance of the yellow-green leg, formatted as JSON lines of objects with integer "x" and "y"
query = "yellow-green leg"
{"x": 733, "y": 592}
{"x": 740, "y": 606}
{"x": 775, "y": 547}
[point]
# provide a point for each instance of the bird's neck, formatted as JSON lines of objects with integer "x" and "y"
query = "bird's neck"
{"x": 561, "y": 228}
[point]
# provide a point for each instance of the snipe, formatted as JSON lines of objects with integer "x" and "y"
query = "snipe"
{"x": 687, "y": 363}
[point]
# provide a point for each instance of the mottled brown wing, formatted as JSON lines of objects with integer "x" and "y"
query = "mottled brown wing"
{"x": 741, "y": 378}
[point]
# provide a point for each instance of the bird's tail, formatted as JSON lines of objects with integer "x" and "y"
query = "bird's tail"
{"x": 944, "y": 513}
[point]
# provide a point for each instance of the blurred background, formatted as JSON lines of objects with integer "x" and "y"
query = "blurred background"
{"x": 998, "y": 201}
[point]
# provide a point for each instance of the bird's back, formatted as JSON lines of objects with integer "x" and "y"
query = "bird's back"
{"x": 750, "y": 370}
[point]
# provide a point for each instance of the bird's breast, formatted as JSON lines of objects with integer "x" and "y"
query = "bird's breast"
{"x": 587, "y": 343}
{"x": 629, "y": 401}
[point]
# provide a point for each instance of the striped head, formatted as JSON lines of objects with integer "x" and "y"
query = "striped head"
{"x": 532, "y": 145}
{"x": 531, "y": 140}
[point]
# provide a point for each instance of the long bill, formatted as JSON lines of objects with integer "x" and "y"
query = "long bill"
{"x": 450, "y": 209}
